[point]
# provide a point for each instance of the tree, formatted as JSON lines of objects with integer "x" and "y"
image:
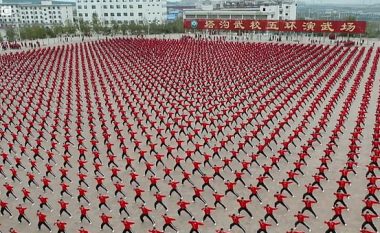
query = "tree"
{"x": 115, "y": 27}
{"x": 96, "y": 25}
{"x": 11, "y": 34}
{"x": 69, "y": 27}
{"x": 58, "y": 29}
{"x": 124, "y": 27}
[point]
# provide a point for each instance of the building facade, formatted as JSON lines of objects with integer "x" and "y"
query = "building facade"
{"x": 45, "y": 13}
{"x": 241, "y": 9}
{"x": 137, "y": 11}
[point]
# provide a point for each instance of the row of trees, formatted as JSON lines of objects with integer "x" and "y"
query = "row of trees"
{"x": 95, "y": 27}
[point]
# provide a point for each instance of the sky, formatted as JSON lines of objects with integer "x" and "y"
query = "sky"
{"x": 342, "y": 1}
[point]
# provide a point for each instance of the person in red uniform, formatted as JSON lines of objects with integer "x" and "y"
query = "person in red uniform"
{"x": 9, "y": 189}
{"x": 145, "y": 213}
{"x": 61, "y": 226}
{"x": 26, "y": 195}
{"x": 263, "y": 226}
{"x": 198, "y": 194}
{"x": 207, "y": 213}
{"x": 42, "y": 220}
{"x": 280, "y": 200}
{"x": 127, "y": 225}
{"x": 4, "y": 207}
{"x": 21, "y": 213}
{"x": 269, "y": 213}
{"x": 331, "y": 226}
{"x": 195, "y": 225}
{"x": 123, "y": 206}
{"x": 168, "y": 222}
{"x": 159, "y": 200}
{"x": 309, "y": 191}
{"x": 301, "y": 220}
{"x": 83, "y": 214}
{"x": 183, "y": 207}
{"x": 138, "y": 194}
{"x": 218, "y": 199}
{"x": 243, "y": 206}
{"x": 82, "y": 194}
{"x": 105, "y": 221}
{"x": 338, "y": 213}
{"x": 368, "y": 220}
{"x": 260, "y": 182}
{"x": 308, "y": 206}
{"x": 236, "y": 221}
{"x": 44, "y": 202}
{"x": 230, "y": 188}
{"x": 369, "y": 205}
{"x": 103, "y": 201}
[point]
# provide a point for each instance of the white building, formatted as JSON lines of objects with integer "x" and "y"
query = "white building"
{"x": 137, "y": 11}
{"x": 45, "y": 13}
{"x": 284, "y": 11}
{"x": 244, "y": 9}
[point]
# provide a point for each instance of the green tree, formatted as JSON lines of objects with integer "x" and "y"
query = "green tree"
{"x": 96, "y": 25}
{"x": 11, "y": 34}
{"x": 69, "y": 28}
{"x": 124, "y": 27}
{"x": 115, "y": 27}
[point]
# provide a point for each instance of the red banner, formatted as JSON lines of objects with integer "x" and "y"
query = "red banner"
{"x": 306, "y": 26}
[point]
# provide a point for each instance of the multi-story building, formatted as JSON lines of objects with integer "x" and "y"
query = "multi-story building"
{"x": 45, "y": 12}
{"x": 137, "y": 11}
{"x": 244, "y": 9}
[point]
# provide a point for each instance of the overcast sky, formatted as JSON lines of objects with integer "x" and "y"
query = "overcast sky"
{"x": 342, "y": 1}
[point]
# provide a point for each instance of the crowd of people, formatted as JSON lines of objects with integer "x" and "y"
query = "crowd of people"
{"x": 148, "y": 135}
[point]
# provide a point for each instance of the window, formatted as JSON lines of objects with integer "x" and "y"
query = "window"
{"x": 125, "y": 6}
{"x": 139, "y": 6}
{"x": 79, "y": 7}
{"x": 104, "y": 6}
{"x": 80, "y": 15}
{"x": 86, "y": 14}
{"x": 125, "y": 14}
{"x": 286, "y": 14}
{"x": 112, "y": 14}
{"x": 264, "y": 9}
{"x": 287, "y": 7}
{"x": 140, "y": 14}
{"x": 85, "y": 6}
{"x": 111, "y": 6}
{"x": 131, "y": 6}
{"x": 118, "y": 6}
{"x": 118, "y": 14}
{"x": 131, "y": 14}
{"x": 105, "y": 14}
{"x": 93, "y": 7}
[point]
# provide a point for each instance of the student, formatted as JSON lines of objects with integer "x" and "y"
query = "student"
{"x": 207, "y": 213}
{"x": 368, "y": 220}
{"x": 269, "y": 213}
{"x": 21, "y": 214}
{"x": 83, "y": 213}
{"x": 145, "y": 213}
{"x": 243, "y": 206}
{"x": 105, "y": 221}
{"x": 301, "y": 220}
{"x": 263, "y": 226}
{"x": 127, "y": 225}
{"x": 168, "y": 222}
{"x": 42, "y": 220}
{"x": 195, "y": 225}
{"x": 236, "y": 221}
{"x": 338, "y": 213}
